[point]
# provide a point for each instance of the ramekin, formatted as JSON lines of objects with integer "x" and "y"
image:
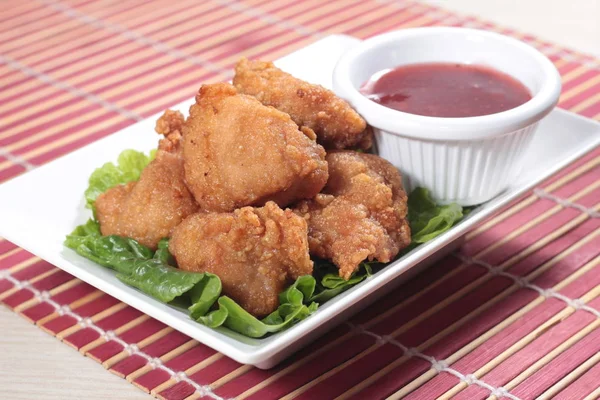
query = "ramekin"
{"x": 463, "y": 160}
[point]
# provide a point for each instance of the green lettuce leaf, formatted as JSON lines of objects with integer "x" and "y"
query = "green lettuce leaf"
{"x": 203, "y": 295}
{"x": 331, "y": 284}
{"x": 148, "y": 271}
{"x": 166, "y": 283}
{"x": 114, "y": 252}
{"x": 428, "y": 220}
{"x": 151, "y": 273}
{"x": 233, "y": 316}
{"x": 293, "y": 308}
{"x": 128, "y": 169}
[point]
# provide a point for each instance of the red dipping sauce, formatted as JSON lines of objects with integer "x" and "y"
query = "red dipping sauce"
{"x": 446, "y": 90}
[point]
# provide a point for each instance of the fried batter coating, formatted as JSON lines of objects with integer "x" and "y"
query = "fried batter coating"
{"x": 361, "y": 213}
{"x": 149, "y": 209}
{"x": 255, "y": 252}
{"x": 238, "y": 152}
{"x": 336, "y": 124}
{"x": 170, "y": 126}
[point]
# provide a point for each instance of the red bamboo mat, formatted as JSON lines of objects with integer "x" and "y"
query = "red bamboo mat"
{"x": 514, "y": 314}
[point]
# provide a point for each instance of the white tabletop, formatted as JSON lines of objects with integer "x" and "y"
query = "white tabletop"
{"x": 34, "y": 364}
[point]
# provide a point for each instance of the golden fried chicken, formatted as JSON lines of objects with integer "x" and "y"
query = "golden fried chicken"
{"x": 238, "y": 152}
{"x": 336, "y": 124}
{"x": 149, "y": 209}
{"x": 361, "y": 213}
{"x": 170, "y": 126}
{"x": 255, "y": 251}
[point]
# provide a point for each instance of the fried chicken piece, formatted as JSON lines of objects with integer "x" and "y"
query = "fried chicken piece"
{"x": 336, "y": 124}
{"x": 170, "y": 126}
{"x": 361, "y": 213}
{"x": 238, "y": 152}
{"x": 149, "y": 209}
{"x": 255, "y": 251}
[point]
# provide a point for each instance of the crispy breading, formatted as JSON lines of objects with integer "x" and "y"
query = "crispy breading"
{"x": 238, "y": 152}
{"x": 170, "y": 126}
{"x": 361, "y": 213}
{"x": 149, "y": 209}
{"x": 255, "y": 252}
{"x": 336, "y": 124}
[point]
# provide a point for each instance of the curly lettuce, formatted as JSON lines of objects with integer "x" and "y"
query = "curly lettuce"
{"x": 428, "y": 220}
{"x": 295, "y": 305}
{"x": 144, "y": 269}
{"x": 331, "y": 284}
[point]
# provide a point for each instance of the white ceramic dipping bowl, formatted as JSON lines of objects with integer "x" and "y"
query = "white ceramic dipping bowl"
{"x": 464, "y": 160}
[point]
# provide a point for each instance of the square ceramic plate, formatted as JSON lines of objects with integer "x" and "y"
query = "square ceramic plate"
{"x": 39, "y": 208}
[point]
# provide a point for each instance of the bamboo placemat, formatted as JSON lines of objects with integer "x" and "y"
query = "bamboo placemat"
{"x": 513, "y": 314}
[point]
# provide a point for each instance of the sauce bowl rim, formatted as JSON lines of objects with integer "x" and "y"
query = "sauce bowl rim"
{"x": 441, "y": 128}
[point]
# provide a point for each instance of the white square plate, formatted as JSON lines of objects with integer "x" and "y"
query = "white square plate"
{"x": 39, "y": 208}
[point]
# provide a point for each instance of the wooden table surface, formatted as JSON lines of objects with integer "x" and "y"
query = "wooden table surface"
{"x": 33, "y": 370}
